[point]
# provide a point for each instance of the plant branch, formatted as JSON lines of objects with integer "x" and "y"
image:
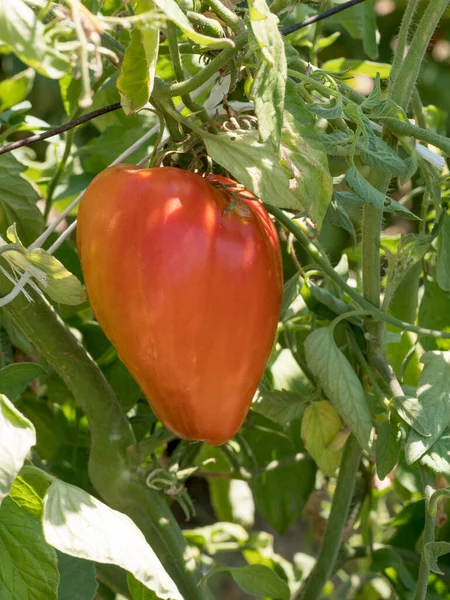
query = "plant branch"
{"x": 327, "y": 268}
{"x": 405, "y": 77}
{"x": 110, "y": 470}
{"x": 228, "y": 16}
{"x": 428, "y": 534}
{"x": 331, "y": 543}
{"x": 188, "y": 86}
{"x": 403, "y": 34}
{"x": 61, "y": 129}
{"x": 316, "y": 18}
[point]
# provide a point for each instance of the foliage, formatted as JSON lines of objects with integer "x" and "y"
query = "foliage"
{"x": 345, "y": 453}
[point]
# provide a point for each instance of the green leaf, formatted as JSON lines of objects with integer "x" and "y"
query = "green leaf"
{"x": 15, "y": 378}
{"x": 138, "y": 591}
{"x": 15, "y": 89}
{"x": 281, "y": 407}
{"x": 333, "y": 110}
{"x": 17, "y": 437}
{"x": 363, "y": 188}
{"x": 28, "y": 566}
{"x": 387, "y": 558}
{"x": 320, "y": 425}
{"x": 256, "y": 580}
{"x": 280, "y": 494}
{"x": 255, "y": 165}
{"x": 80, "y": 525}
{"x": 77, "y": 578}
{"x": 18, "y": 199}
{"x": 361, "y": 24}
{"x": 70, "y": 89}
{"x": 374, "y": 98}
{"x": 47, "y": 271}
{"x": 269, "y": 84}
{"x": 379, "y": 155}
{"x": 387, "y": 449}
{"x": 432, "y": 551}
{"x": 174, "y": 13}
{"x": 340, "y": 382}
{"x": 434, "y": 313}
{"x": 443, "y": 256}
{"x": 434, "y": 395}
{"x": 352, "y": 67}
{"x": 412, "y": 412}
{"x": 337, "y": 216}
{"x": 24, "y": 495}
{"x": 287, "y": 375}
{"x": 291, "y": 290}
{"x": 306, "y": 165}
{"x": 137, "y": 73}
{"x": 22, "y": 33}
{"x": 437, "y": 458}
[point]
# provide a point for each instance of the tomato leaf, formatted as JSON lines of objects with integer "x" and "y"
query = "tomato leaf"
{"x": 15, "y": 378}
{"x": 432, "y": 551}
{"x": 16, "y": 89}
{"x": 387, "y": 449}
{"x": 137, "y": 74}
{"x": 320, "y": 426}
{"x": 353, "y": 66}
{"x": 339, "y": 382}
{"x": 434, "y": 395}
{"x": 361, "y": 24}
{"x": 411, "y": 411}
{"x": 18, "y": 200}
{"x": 29, "y": 565}
{"x": 269, "y": 84}
{"x": 22, "y": 33}
{"x": 255, "y": 580}
{"x": 93, "y": 531}
{"x": 17, "y": 437}
{"x": 77, "y": 578}
{"x": 437, "y": 458}
{"x": 282, "y": 407}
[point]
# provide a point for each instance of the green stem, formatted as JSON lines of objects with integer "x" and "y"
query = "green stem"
{"x": 403, "y": 36}
{"x": 111, "y": 435}
{"x": 85, "y": 98}
{"x": 428, "y": 534}
{"x": 327, "y": 268}
{"x": 190, "y": 85}
{"x": 331, "y": 544}
{"x": 179, "y": 74}
{"x": 59, "y": 171}
{"x": 404, "y": 78}
{"x": 404, "y": 128}
{"x": 417, "y": 107}
{"x": 205, "y": 25}
{"x": 228, "y": 16}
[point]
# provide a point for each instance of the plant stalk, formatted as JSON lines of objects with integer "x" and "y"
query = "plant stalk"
{"x": 428, "y": 534}
{"x": 351, "y": 457}
{"x": 110, "y": 469}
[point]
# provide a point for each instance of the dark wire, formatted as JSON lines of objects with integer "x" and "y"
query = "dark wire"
{"x": 321, "y": 16}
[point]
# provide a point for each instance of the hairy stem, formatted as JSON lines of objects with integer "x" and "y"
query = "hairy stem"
{"x": 190, "y": 85}
{"x": 403, "y": 34}
{"x": 175, "y": 57}
{"x": 324, "y": 263}
{"x": 351, "y": 457}
{"x": 111, "y": 435}
{"x": 428, "y": 534}
{"x": 404, "y": 78}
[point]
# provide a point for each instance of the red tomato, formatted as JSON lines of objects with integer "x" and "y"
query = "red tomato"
{"x": 188, "y": 292}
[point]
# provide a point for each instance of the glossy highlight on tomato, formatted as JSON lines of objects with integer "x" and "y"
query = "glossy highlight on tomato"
{"x": 187, "y": 286}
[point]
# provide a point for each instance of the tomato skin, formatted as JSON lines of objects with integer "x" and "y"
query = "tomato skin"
{"x": 187, "y": 292}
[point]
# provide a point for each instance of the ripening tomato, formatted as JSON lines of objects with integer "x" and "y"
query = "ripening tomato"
{"x": 187, "y": 286}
